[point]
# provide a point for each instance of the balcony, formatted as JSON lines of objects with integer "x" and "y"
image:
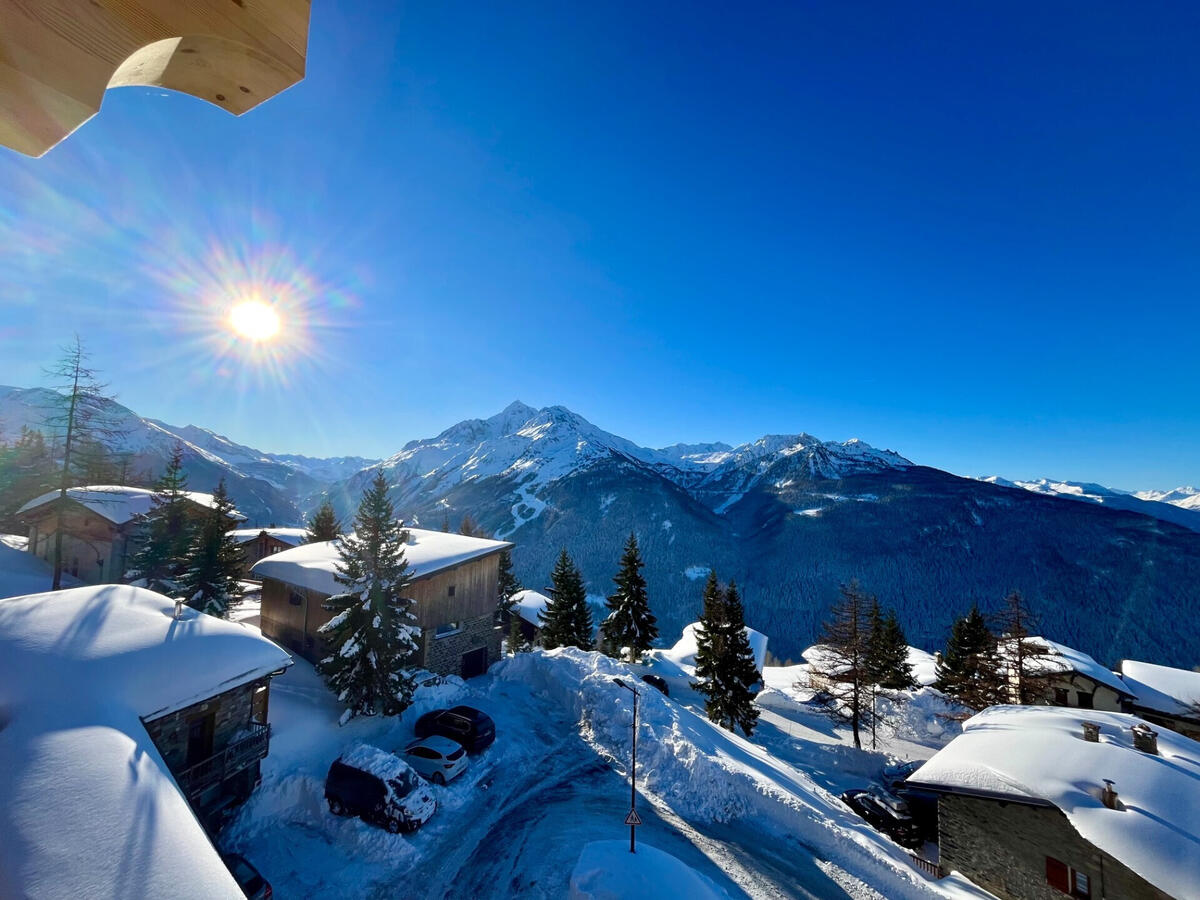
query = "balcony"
{"x": 236, "y": 757}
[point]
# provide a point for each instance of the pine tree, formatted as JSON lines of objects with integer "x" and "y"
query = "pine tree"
{"x": 507, "y": 586}
{"x": 567, "y": 619}
{"x": 843, "y": 662}
{"x": 630, "y": 624}
{"x": 740, "y": 676}
{"x": 1024, "y": 658}
{"x": 471, "y": 528}
{"x": 324, "y": 524}
{"x": 372, "y": 634}
{"x": 887, "y": 652}
{"x": 212, "y": 578}
{"x": 161, "y": 557}
{"x": 969, "y": 670}
{"x": 27, "y": 470}
{"x": 82, "y": 415}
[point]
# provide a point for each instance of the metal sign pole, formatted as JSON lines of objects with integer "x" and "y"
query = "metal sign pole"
{"x": 632, "y": 819}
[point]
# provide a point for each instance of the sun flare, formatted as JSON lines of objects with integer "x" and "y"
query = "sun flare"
{"x": 254, "y": 320}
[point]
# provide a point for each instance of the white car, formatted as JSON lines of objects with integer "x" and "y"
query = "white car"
{"x": 437, "y": 758}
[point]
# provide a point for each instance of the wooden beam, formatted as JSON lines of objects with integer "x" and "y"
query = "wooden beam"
{"x": 58, "y": 57}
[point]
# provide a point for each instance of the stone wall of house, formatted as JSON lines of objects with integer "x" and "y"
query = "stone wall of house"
{"x": 1002, "y": 847}
{"x": 443, "y": 655}
{"x": 232, "y": 715}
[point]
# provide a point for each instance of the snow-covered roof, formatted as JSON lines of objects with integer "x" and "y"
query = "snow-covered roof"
{"x": 1162, "y": 688}
{"x": 89, "y": 807}
{"x": 1061, "y": 659}
{"x": 924, "y": 666}
{"x": 1037, "y": 754}
{"x": 293, "y": 536}
{"x": 527, "y": 604}
{"x": 23, "y": 573}
{"x": 314, "y": 566}
{"x": 684, "y": 651}
{"x": 117, "y": 503}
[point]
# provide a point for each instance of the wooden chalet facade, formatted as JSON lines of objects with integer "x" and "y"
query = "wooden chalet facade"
{"x": 259, "y": 543}
{"x": 101, "y": 526}
{"x": 454, "y": 588}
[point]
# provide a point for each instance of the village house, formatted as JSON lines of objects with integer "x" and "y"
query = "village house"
{"x": 454, "y": 588}
{"x": 1069, "y": 677}
{"x": 1163, "y": 696}
{"x": 1039, "y": 802}
{"x": 126, "y": 720}
{"x": 527, "y": 606}
{"x": 259, "y": 543}
{"x": 101, "y": 525}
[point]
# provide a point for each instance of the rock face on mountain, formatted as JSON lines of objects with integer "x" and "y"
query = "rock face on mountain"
{"x": 790, "y": 517}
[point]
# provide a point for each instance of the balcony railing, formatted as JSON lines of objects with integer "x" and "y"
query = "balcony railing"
{"x": 929, "y": 868}
{"x": 237, "y": 756}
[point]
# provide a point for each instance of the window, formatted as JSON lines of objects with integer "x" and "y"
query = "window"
{"x": 450, "y": 591}
{"x": 1061, "y": 697}
{"x": 1063, "y": 878}
{"x": 1085, "y": 699}
{"x": 448, "y": 628}
{"x": 295, "y": 599}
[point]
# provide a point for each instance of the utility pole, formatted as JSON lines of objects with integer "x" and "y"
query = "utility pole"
{"x": 632, "y": 819}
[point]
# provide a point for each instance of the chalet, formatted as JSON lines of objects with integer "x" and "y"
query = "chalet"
{"x": 528, "y": 605}
{"x": 128, "y": 720}
{"x": 454, "y": 586}
{"x": 1070, "y": 677}
{"x": 1044, "y": 802}
{"x": 259, "y": 543}
{"x": 1164, "y": 696}
{"x": 100, "y": 523}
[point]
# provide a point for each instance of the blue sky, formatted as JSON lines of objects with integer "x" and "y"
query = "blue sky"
{"x": 969, "y": 235}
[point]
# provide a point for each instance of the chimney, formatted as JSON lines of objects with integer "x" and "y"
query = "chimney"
{"x": 1145, "y": 738}
{"x": 1091, "y": 732}
{"x": 1108, "y": 796}
{"x": 178, "y": 608}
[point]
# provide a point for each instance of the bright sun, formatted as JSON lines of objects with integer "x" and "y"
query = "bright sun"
{"x": 254, "y": 320}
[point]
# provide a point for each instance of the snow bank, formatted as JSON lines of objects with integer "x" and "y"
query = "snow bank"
{"x": 683, "y": 654}
{"x": 924, "y": 666}
{"x": 23, "y": 573}
{"x": 707, "y": 774}
{"x": 608, "y": 871}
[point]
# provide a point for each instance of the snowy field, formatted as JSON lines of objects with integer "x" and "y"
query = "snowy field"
{"x": 755, "y": 818}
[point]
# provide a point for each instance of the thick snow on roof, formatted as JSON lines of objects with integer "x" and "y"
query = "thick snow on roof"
{"x": 527, "y": 604}
{"x": 88, "y": 808}
{"x": 116, "y": 503}
{"x": 924, "y": 666}
{"x": 1162, "y": 688}
{"x": 1038, "y": 754}
{"x": 293, "y": 536}
{"x": 314, "y": 566}
{"x": 684, "y": 651}
{"x": 368, "y": 758}
{"x": 608, "y": 871}
{"x": 1066, "y": 659}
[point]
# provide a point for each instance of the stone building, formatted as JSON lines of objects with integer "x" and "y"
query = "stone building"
{"x": 1038, "y": 802}
{"x": 454, "y": 589}
{"x": 101, "y": 525}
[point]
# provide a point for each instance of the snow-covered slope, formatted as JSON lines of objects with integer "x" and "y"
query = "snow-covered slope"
{"x": 1165, "y": 505}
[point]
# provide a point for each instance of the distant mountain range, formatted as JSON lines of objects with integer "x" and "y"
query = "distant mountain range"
{"x": 790, "y": 517}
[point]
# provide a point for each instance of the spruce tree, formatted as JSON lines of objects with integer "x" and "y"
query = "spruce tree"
{"x": 471, "y": 528}
{"x": 739, "y": 674}
{"x": 629, "y": 624}
{"x": 324, "y": 524}
{"x": 567, "y": 619}
{"x": 842, "y": 666}
{"x": 887, "y": 652}
{"x": 161, "y": 558}
{"x": 212, "y": 579}
{"x": 969, "y": 670}
{"x": 710, "y": 633}
{"x": 372, "y": 633}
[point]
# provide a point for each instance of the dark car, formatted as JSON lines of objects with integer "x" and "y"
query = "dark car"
{"x": 658, "y": 683}
{"x": 380, "y": 789}
{"x": 887, "y": 813}
{"x": 249, "y": 879}
{"x": 896, "y": 774}
{"x": 471, "y": 727}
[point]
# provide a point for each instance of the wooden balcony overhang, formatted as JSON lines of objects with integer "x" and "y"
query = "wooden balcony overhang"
{"x": 58, "y": 57}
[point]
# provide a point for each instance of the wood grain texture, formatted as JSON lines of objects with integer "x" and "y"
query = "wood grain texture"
{"x": 58, "y": 57}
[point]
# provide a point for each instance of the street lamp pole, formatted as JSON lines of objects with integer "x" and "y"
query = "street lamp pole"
{"x": 632, "y": 819}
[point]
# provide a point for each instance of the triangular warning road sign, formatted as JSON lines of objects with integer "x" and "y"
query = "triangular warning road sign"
{"x": 632, "y": 818}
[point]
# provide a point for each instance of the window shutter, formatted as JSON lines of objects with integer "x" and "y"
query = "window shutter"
{"x": 1058, "y": 876}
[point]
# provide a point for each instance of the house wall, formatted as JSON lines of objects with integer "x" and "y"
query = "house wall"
{"x": 258, "y": 548}
{"x": 472, "y": 607}
{"x": 1103, "y": 697}
{"x": 93, "y": 548}
{"x": 1002, "y": 847}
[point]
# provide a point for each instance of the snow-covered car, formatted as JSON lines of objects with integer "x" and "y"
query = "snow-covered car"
{"x": 425, "y": 678}
{"x": 248, "y": 878}
{"x": 896, "y": 774}
{"x": 380, "y": 788}
{"x": 437, "y": 758}
{"x": 887, "y": 813}
{"x": 471, "y": 727}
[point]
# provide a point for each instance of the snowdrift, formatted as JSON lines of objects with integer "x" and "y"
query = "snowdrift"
{"x": 608, "y": 871}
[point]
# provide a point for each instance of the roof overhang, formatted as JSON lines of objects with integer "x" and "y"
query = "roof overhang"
{"x": 976, "y": 793}
{"x": 58, "y": 57}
